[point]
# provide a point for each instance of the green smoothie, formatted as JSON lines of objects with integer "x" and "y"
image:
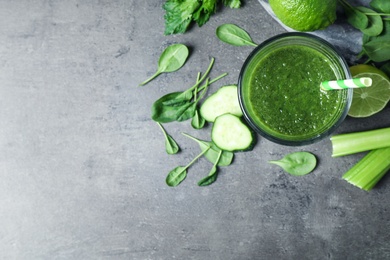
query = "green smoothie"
{"x": 284, "y": 97}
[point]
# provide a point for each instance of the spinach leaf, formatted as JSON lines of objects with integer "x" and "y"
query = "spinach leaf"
{"x": 213, "y": 151}
{"x": 170, "y": 144}
{"x": 386, "y": 69}
{"x": 185, "y": 112}
{"x": 378, "y": 49}
{"x": 355, "y": 17}
{"x": 178, "y": 174}
{"x": 234, "y": 35}
{"x": 381, "y": 5}
{"x": 297, "y": 163}
{"x": 375, "y": 23}
{"x": 198, "y": 121}
{"x": 213, "y": 174}
{"x": 166, "y": 113}
{"x": 171, "y": 59}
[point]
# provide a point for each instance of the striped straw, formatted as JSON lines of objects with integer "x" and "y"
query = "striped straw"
{"x": 346, "y": 83}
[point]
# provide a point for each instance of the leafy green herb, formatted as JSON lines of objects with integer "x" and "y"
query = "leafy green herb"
{"x": 178, "y": 174}
{"x": 375, "y": 23}
{"x": 181, "y": 106}
{"x": 171, "y": 59}
{"x": 179, "y": 14}
{"x": 375, "y": 26}
{"x": 170, "y": 144}
{"x": 355, "y": 17}
{"x": 234, "y": 35}
{"x": 213, "y": 174}
{"x": 297, "y": 163}
{"x": 198, "y": 121}
{"x": 386, "y": 69}
{"x": 378, "y": 49}
{"x": 213, "y": 152}
{"x": 381, "y": 5}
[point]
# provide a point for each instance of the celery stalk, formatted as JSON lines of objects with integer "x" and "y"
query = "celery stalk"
{"x": 344, "y": 144}
{"x": 369, "y": 170}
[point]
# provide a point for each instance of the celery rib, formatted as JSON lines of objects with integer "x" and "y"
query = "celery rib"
{"x": 370, "y": 169}
{"x": 344, "y": 144}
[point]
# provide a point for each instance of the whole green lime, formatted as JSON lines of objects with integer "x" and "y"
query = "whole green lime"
{"x": 305, "y": 15}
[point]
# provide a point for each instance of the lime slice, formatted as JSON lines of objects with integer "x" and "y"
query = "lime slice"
{"x": 371, "y": 100}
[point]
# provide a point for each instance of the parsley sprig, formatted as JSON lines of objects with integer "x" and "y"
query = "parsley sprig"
{"x": 179, "y": 14}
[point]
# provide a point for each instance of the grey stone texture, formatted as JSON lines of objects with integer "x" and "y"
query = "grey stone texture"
{"x": 83, "y": 166}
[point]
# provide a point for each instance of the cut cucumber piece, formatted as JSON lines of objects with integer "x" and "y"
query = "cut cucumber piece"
{"x": 229, "y": 133}
{"x": 225, "y": 100}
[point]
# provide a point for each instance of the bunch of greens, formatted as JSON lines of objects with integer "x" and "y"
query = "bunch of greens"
{"x": 183, "y": 105}
{"x": 179, "y": 14}
{"x": 374, "y": 24}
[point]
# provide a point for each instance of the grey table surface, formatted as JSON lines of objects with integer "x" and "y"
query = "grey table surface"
{"x": 83, "y": 166}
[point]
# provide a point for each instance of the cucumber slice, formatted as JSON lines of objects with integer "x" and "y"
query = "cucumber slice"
{"x": 225, "y": 100}
{"x": 229, "y": 133}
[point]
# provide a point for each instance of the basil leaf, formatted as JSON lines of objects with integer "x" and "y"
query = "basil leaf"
{"x": 234, "y": 35}
{"x": 298, "y": 163}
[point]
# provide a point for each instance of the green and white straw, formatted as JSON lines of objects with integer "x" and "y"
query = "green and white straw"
{"x": 346, "y": 83}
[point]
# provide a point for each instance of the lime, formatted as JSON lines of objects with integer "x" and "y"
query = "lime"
{"x": 371, "y": 100}
{"x": 305, "y": 15}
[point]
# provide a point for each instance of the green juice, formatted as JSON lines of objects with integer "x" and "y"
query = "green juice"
{"x": 281, "y": 93}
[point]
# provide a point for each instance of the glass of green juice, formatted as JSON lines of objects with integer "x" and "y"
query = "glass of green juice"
{"x": 279, "y": 89}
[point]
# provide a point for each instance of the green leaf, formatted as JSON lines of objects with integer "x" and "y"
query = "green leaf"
{"x": 166, "y": 113}
{"x": 355, "y": 17}
{"x": 378, "y": 49}
{"x": 171, "y": 146}
{"x": 232, "y": 3}
{"x": 202, "y": 15}
{"x": 213, "y": 151}
{"x": 176, "y": 176}
{"x": 234, "y": 35}
{"x": 198, "y": 121}
{"x": 386, "y": 69}
{"x": 209, "y": 179}
{"x": 178, "y": 15}
{"x": 185, "y": 112}
{"x": 375, "y": 23}
{"x": 212, "y": 176}
{"x": 298, "y": 163}
{"x": 171, "y": 59}
{"x": 381, "y": 5}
